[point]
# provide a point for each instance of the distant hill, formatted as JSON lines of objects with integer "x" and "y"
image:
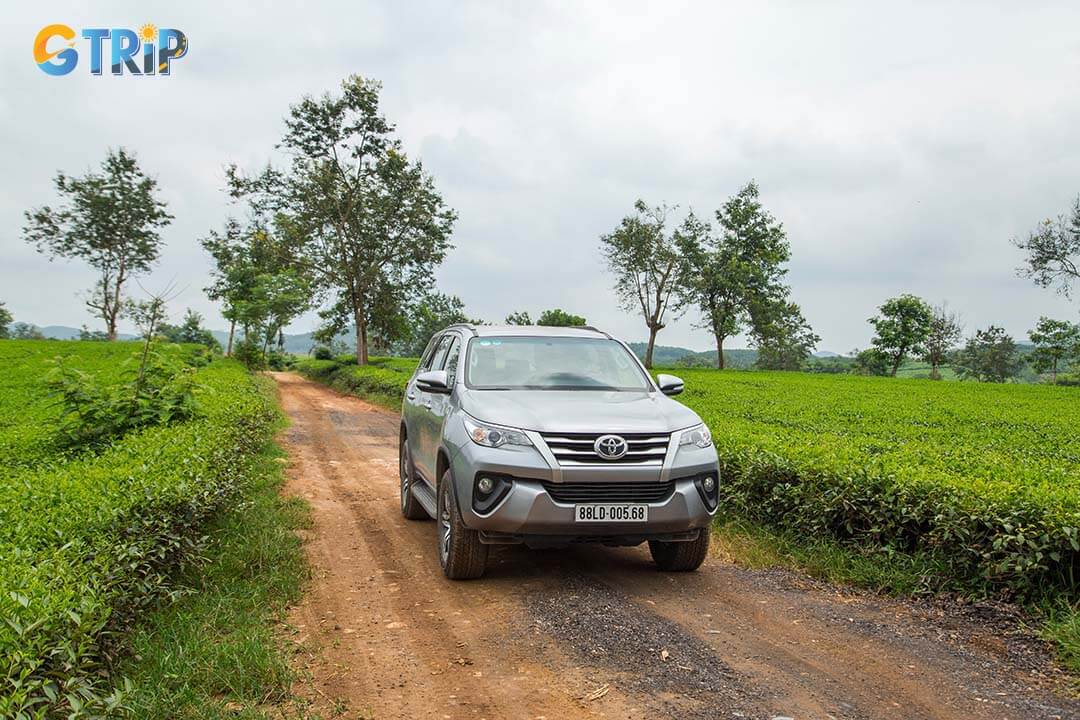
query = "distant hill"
{"x": 65, "y": 332}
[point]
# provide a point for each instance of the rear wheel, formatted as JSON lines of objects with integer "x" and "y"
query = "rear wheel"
{"x": 461, "y": 554}
{"x": 681, "y": 556}
{"x": 410, "y": 506}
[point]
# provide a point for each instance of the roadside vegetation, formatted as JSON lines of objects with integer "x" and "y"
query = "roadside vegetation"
{"x": 93, "y": 534}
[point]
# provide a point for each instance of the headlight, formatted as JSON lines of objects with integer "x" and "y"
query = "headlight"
{"x": 494, "y": 435}
{"x": 698, "y": 435}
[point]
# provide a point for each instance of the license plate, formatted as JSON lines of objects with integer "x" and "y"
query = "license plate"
{"x": 624, "y": 512}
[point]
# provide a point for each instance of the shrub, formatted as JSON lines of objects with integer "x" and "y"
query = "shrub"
{"x": 87, "y": 542}
{"x": 161, "y": 391}
{"x": 321, "y": 352}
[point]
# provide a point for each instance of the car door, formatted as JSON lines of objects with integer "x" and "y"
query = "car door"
{"x": 413, "y": 409}
{"x": 427, "y": 426}
{"x": 440, "y": 403}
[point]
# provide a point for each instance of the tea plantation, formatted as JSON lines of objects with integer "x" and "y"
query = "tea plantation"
{"x": 980, "y": 480}
{"x": 90, "y": 538}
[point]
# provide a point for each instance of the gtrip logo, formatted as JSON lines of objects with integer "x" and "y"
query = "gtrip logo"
{"x": 148, "y": 51}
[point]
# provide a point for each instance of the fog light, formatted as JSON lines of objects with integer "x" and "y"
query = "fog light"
{"x": 708, "y": 483}
{"x": 485, "y": 485}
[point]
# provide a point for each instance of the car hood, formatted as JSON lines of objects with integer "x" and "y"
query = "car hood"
{"x": 579, "y": 410}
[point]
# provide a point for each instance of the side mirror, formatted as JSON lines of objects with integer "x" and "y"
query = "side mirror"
{"x": 669, "y": 384}
{"x": 433, "y": 381}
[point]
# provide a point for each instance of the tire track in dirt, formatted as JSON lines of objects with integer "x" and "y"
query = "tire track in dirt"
{"x": 385, "y": 635}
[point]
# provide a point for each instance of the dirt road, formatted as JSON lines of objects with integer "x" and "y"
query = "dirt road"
{"x": 594, "y": 632}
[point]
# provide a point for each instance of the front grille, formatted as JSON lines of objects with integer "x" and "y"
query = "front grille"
{"x": 574, "y": 449}
{"x": 609, "y": 492}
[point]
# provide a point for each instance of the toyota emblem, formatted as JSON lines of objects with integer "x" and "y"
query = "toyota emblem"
{"x": 610, "y": 447}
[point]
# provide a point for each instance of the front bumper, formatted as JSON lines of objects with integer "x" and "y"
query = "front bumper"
{"x": 528, "y": 511}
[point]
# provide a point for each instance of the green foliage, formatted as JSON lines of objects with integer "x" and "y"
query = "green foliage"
{"x": 982, "y": 480}
{"x": 559, "y": 318}
{"x": 783, "y": 337}
{"x": 5, "y": 320}
{"x": 382, "y": 380}
{"x": 321, "y": 352}
{"x": 216, "y": 652}
{"x": 190, "y": 331}
{"x": 26, "y": 331}
{"x": 649, "y": 267}
{"x": 161, "y": 390}
{"x": 112, "y": 220}
{"x": 901, "y": 329}
{"x": 520, "y": 317}
{"x": 89, "y": 541}
{"x": 872, "y": 361}
{"x": 1057, "y": 344}
{"x": 250, "y": 353}
{"x": 945, "y": 332}
{"x": 990, "y": 356}
{"x": 738, "y": 272}
{"x": 1053, "y": 252}
{"x": 352, "y": 209}
{"x": 430, "y": 314}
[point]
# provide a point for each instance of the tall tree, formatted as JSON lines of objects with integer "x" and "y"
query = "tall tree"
{"x": 1053, "y": 252}
{"x": 901, "y": 328}
{"x": 560, "y": 318}
{"x": 945, "y": 332}
{"x": 990, "y": 356}
{"x": 741, "y": 267}
{"x": 648, "y": 267}
{"x": 254, "y": 278}
{"x": 427, "y": 317}
{"x": 1057, "y": 342}
{"x": 5, "y": 320}
{"x": 111, "y": 219}
{"x": 783, "y": 337}
{"x": 364, "y": 220}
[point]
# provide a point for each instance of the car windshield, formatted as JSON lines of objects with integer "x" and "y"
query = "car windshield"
{"x": 552, "y": 363}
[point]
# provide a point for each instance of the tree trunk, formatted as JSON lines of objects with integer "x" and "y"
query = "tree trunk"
{"x": 110, "y": 325}
{"x": 281, "y": 340}
{"x": 232, "y": 331}
{"x": 361, "y": 337}
{"x": 896, "y": 364}
{"x": 719, "y": 352}
{"x": 653, "y": 330}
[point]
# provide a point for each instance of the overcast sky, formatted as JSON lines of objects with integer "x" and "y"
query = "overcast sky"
{"x": 901, "y": 149}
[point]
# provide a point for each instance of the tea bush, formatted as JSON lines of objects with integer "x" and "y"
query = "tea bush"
{"x": 382, "y": 380}
{"x": 88, "y": 540}
{"x": 986, "y": 479}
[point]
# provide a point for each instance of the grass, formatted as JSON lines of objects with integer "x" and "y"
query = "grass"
{"x": 217, "y": 652}
{"x": 91, "y": 540}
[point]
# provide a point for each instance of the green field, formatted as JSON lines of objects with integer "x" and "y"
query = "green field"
{"x": 90, "y": 540}
{"x": 980, "y": 480}
{"x": 984, "y": 477}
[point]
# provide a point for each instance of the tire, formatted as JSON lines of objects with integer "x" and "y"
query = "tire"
{"x": 410, "y": 506}
{"x": 461, "y": 554}
{"x": 681, "y": 556}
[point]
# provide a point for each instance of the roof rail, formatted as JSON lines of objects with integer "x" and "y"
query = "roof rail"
{"x": 594, "y": 329}
{"x": 467, "y": 326}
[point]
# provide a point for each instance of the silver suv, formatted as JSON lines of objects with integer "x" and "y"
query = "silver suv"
{"x": 550, "y": 436}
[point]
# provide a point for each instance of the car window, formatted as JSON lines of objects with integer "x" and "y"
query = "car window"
{"x": 439, "y": 355}
{"x": 451, "y": 363}
{"x": 552, "y": 363}
{"x": 429, "y": 352}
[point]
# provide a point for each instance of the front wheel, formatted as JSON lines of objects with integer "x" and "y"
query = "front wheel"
{"x": 681, "y": 556}
{"x": 461, "y": 554}
{"x": 410, "y": 507}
